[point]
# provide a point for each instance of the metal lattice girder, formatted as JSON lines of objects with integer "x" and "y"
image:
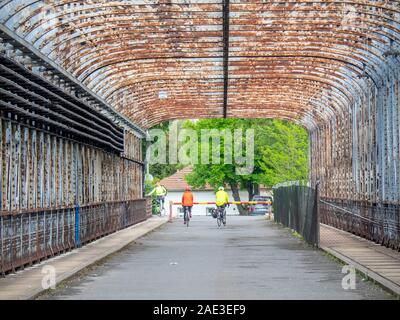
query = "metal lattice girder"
{"x": 331, "y": 66}
{"x": 128, "y": 51}
{"x": 17, "y": 51}
{"x": 34, "y": 99}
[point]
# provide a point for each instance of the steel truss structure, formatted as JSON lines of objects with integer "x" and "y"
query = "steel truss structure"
{"x": 330, "y": 66}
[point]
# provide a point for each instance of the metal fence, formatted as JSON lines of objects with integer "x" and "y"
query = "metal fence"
{"x": 376, "y": 222}
{"x": 296, "y": 207}
{"x": 29, "y": 237}
{"x": 300, "y": 208}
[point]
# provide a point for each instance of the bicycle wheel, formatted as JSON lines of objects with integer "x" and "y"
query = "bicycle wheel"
{"x": 157, "y": 210}
{"x": 162, "y": 208}
{"x": 224, "y": 219}
{"x": 219, "y": 220}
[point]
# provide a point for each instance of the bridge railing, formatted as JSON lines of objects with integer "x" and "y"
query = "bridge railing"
{"x": 299, "y": 207}
{"x": 31, "y": 236}
{"x": 376, "y": 222}
{"x": 296, "y": 206}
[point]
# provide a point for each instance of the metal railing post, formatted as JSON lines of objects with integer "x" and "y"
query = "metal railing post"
{"x": 77, "y": 240}
{"x": 170, "y": 211}
{"x": 317, "y": 199}
{"x": 2, "y": 273}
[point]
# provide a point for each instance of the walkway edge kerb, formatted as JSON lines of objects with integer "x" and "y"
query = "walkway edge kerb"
{"x": 86, "y": 256}
{"x": 382, "y": 281}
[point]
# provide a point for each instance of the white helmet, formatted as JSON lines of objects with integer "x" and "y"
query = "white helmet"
{"x": 221, "y": 188}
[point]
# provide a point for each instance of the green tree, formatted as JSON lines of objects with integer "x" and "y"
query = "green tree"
{"x": 222, "y": 174}
{"x": 280, "y": 154}
{"x": 284, "y": 154}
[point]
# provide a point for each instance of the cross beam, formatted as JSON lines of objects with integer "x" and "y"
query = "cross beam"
{"x": 225, "y": 21}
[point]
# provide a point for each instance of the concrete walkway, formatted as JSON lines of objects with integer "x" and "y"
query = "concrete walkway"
{"x": 27, "y": 284}
{"x": 251, "y": 258}
{"x": 377, "y": 262}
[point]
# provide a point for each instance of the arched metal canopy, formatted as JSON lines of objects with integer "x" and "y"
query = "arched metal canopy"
{"x": 306, "y": 61}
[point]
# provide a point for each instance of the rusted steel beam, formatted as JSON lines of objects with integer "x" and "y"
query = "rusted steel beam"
{"x": 225, "y": 26}
{"x": 33, "y": 53}
{"x": 41, "y": 170}
{"x": 326, "y": 12}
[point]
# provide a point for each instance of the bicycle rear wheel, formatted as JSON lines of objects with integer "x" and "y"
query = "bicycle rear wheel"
{"x": 219, "y": 220}
{"x": 186, "y": 217}
{"x": 157, "y": 209}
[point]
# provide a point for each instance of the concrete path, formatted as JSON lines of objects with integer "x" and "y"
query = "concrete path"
{"x": 377, "y": 262}
{"x": 251, "y": 258}
{"x": 27, "y": 284}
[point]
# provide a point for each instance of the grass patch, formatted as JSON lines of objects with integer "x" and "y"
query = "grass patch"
{"x": 297, "y": 235}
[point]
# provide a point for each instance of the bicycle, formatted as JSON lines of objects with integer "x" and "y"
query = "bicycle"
{"x": 186, "y": 216}
{"x": 160, "y": 205}
{"x": 221, "y": 216}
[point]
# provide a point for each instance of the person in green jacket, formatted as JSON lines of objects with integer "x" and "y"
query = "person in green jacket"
{"x": 160, "y": 192}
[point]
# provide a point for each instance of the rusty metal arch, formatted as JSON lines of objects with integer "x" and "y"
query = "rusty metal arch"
{"x": 76, "y": 34}
{"x": 331, "y": 66}
{"x": 322, "y": 85}
{"x": 316, "y": 79}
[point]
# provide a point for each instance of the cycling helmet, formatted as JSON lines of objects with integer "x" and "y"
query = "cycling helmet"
{"x": 221, "y": 188}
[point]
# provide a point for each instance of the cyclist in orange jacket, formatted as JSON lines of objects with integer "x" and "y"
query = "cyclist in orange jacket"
{"x": 187, "y": 202}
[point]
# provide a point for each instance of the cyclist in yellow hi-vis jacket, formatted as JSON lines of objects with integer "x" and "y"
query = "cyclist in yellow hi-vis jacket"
{"x": 161, "y": 192}
{"x": 221, "y": 200}
{"x": 221, "y": 197}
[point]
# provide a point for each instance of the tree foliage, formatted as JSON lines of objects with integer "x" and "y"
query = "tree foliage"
{"x": 280, "y": 154}
{"x": 283, "y": 152}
